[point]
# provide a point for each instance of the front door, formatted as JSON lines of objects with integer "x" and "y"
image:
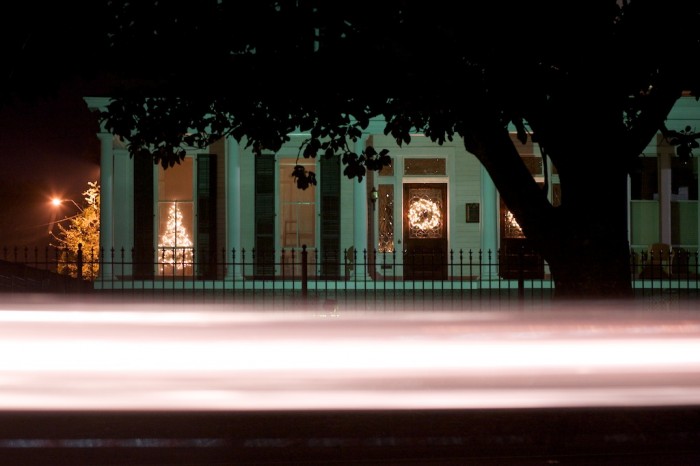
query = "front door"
{"x": 425, "y": 231}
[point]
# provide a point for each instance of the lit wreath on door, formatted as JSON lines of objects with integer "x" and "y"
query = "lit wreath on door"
{"x": 424, "y": 218}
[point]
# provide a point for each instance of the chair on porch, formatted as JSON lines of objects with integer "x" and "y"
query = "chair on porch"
{"x": 681, "y": 265}
{"x": 659, "y": 259}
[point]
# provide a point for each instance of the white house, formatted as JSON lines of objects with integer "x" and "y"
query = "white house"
{"x": 227, "y": 215}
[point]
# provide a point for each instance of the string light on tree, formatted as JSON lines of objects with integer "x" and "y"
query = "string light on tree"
{"x": 424, "y": 217}
{"x": 81, "y": 230}
{"x": 175, "y": 242}
{"x": 513, "y": 229}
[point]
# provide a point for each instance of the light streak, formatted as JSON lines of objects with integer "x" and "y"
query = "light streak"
{"x": 203, "y": 357}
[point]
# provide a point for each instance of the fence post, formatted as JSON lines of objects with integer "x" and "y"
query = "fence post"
{"x": 304, "y": 273}
{"x": 80, "y": 264}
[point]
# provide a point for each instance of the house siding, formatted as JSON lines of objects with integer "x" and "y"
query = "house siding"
{"x": 466, "y": 185}
{"x": 675, "y": 220}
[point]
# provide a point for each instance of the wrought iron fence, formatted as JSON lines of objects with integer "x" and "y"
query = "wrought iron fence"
{"x": 301, "y": 273}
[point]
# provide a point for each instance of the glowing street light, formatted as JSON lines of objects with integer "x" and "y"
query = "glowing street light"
{"x": 57, "y": 202}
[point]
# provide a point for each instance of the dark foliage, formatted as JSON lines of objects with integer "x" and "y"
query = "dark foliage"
{"x": 561, "y": 73}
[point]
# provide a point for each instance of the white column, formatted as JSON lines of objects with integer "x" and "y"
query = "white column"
{"x": 123, "y": 210}
{"x": 106, "y": 202}
{"x": 233, "y": 207}
{"x": 489, "y": 224}
{"x": 665, "y": 195}
{"x": 360, "y": 217}
{"x": 629, "y": 210}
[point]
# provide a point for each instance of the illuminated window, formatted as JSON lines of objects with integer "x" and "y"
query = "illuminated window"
{"x": 386, "y": 218}
{"x": 424, "y": 167}
{"x": 533, "y": 164}
{"x": 387, "y": 170}
{"x": 510, "y": 226}
{"x": 297, "y": 217}
{"x": 176, "y": 219}
{"x": 297, "y": 207}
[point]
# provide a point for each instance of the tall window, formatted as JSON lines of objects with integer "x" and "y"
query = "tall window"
{"x": 385, "y": 209}
{"x": 297, "y": 207}
{"x": 386, "y": 218}
{"x": 176, "y": 219}
{"x": 297, "y": 218}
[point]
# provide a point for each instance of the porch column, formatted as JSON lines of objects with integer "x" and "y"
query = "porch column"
{"x": 665, "y": 195}
{"x": 233, "y": 208}
{"x": 106, "y": 202}
{"x": 629, "y": 210}
{"x": 123, "y": 211}
{"x": 489, "y": 225}
{"x": 360, "y": 217}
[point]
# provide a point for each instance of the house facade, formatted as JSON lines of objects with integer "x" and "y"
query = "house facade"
{"x": 224, "y": 214}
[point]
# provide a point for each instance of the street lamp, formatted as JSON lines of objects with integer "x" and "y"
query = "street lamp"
{"x": 57, "y": 202}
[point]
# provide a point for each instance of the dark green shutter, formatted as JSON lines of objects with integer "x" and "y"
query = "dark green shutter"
{"x": 330, "y": 217}
{"x": 206, "y": 216}
{"x": 264, "y": 214}
{"x": 143, "y": 218}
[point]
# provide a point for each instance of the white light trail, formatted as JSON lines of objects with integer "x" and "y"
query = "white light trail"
{"x": 199, "y": 357}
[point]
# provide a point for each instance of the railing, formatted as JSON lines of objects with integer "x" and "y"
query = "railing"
{"x": 290, "y": 275}
{"x": 302, "y": 273}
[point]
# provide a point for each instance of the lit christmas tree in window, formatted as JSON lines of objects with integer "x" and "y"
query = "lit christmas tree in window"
{"x": 175, "y": 244}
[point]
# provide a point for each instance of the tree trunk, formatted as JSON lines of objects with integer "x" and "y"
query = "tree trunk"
{"x": 593, "y": 268}
{"x": 584, "y": 240}
{"x": 587, "y": 248}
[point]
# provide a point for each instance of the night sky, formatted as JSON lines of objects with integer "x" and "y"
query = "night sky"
{"x": 47, "y": 148}
{"x": 48, "y": 142}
